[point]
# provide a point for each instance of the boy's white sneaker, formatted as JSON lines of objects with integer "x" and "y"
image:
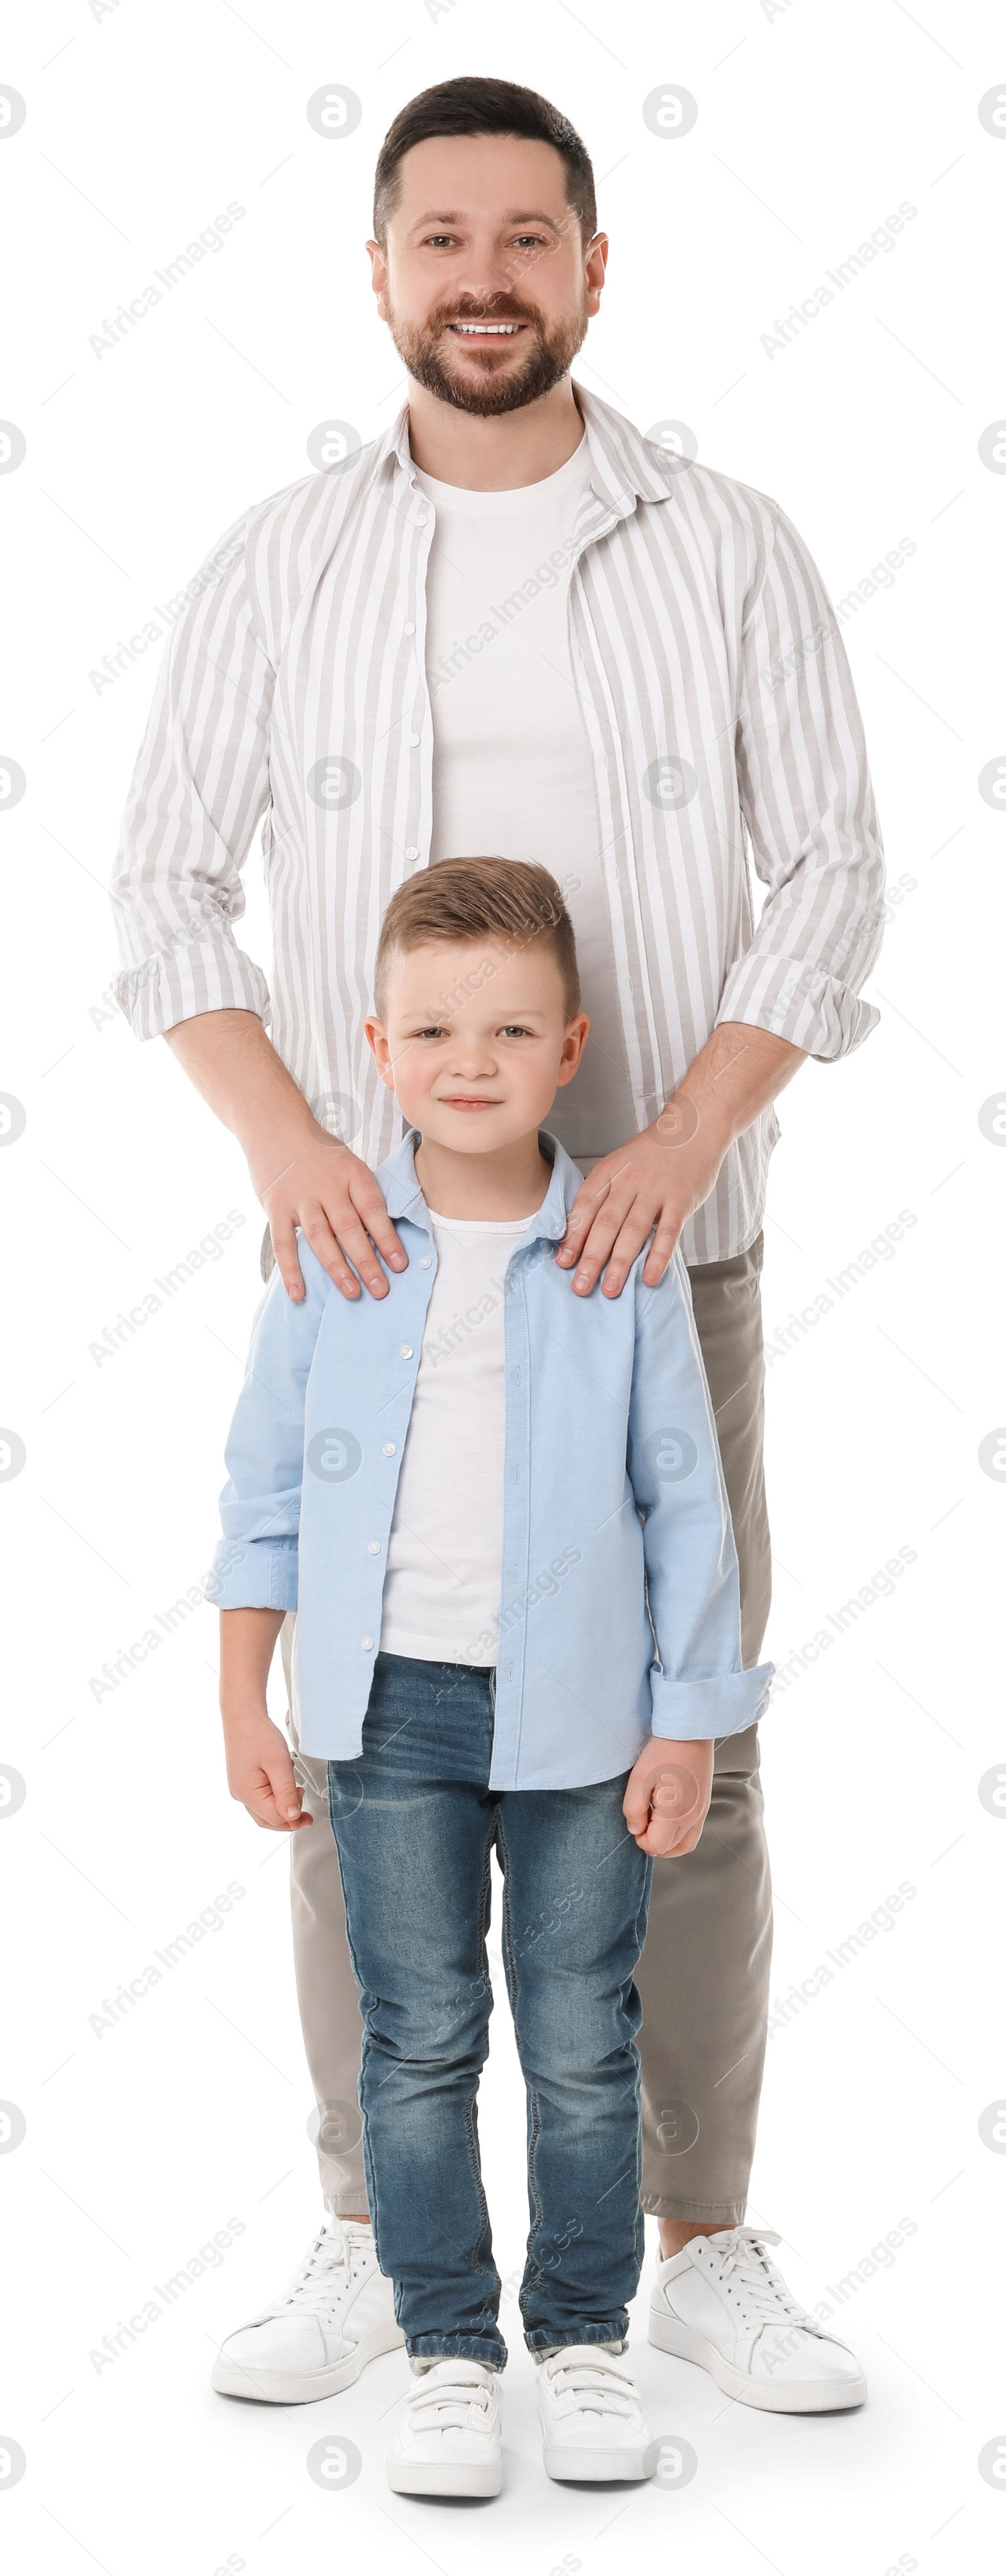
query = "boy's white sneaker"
{"x": 450, "y": 2441}
{"x": 722, "y": 2303}
{"x": 591, "y": 2418}
{"x": 336, "y": 2314}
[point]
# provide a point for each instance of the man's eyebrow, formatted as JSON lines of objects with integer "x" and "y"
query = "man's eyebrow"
{"x": 521, "y": 217}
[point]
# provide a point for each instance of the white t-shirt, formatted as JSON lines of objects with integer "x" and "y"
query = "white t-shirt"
{"x": 513, "y": 775}
{"x": 445, "y": 1553}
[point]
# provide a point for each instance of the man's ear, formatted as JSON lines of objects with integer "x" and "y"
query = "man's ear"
{"x": 377, "y": 1040}
{"x": 378, "y": 274}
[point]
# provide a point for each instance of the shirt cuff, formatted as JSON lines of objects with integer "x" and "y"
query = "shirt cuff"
{"x": 687, "y": 1711}
{"x": 252, "y": 1578}
{"x": 180, "y": 983}
{"x": 805, "y": 1004}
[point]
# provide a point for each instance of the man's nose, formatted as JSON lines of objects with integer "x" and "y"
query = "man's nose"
{"x": 489, "y": 270}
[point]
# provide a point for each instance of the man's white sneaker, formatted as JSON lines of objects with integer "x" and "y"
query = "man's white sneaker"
{"x": 722, "y": 2303}
{"x": 336, "y": 2314}
{"x": 449, "y": 2441}
{"x": 591, "y": 2418}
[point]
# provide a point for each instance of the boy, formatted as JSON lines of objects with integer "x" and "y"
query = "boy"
{"x": 503, "y": 1524}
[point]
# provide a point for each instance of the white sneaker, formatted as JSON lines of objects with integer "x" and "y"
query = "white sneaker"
{"x": 592, "y": 2420}
{"x": 450, "y": 2439}
{"x": 722, "y": 2303}
{"x": 336, "y": 2314}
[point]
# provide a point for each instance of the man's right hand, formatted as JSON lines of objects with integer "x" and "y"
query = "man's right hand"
{"x": 334, "y": 1199}
{"x": 301, "y": 1175}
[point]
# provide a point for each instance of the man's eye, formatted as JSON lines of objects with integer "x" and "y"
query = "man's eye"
{"x": 437, "y": 241}
{"x": 530, "y": 241}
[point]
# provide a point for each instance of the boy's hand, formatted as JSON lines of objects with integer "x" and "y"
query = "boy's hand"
{"x": 260, "y": 1773}
{"x": 667, "y": 1798}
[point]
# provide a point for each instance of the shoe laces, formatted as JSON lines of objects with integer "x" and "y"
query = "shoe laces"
{"x": 323, "y": 2278}
{"x": 450, "y": 2405}
{"x": 757, "y": 2282}
{"x": 589, "y": 2380}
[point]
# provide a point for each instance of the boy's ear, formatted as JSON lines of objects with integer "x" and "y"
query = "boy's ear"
{"x": 574, "y": 1041}
{"x": 377, "y": 1040}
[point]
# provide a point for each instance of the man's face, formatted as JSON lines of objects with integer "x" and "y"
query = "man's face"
{"x": 485, "y": 282}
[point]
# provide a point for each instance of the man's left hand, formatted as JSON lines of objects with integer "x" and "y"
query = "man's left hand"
{"x": 649, "y": 1183}
{"x": 654, "y": 1184}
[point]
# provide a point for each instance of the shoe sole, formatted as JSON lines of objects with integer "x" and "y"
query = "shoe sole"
{"x": 421, "y": 2477}
{"x": 284, "y": 2388}
{"x": 781, "y": 2397}
{"x": 592, "y": 2468}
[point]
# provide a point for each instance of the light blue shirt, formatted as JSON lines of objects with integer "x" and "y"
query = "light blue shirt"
{"x": 620, "y": 1603}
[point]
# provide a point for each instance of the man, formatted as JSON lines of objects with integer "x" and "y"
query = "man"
{"x": 512, "y": 626}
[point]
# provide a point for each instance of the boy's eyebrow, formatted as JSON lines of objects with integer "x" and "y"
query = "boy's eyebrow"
{"x": 435, "y": 1010}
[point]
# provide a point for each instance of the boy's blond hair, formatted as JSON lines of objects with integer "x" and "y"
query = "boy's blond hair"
{"x": 464, "y": 900}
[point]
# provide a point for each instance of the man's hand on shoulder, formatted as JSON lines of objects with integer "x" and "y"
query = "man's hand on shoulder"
{"x": 334, "y": 1199}
{"x": 656, "y": 1181}
{"x": 643, "y": 1189}
{"x": 301, "y": 1175}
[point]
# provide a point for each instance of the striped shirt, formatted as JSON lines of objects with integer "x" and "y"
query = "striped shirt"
{"x": 721, "y": 718}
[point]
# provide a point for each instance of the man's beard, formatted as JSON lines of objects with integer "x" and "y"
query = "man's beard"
{"x": 550, "y": 349}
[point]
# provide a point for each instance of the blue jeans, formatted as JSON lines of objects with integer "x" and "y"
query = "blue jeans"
{"x": 415, "y": 1826}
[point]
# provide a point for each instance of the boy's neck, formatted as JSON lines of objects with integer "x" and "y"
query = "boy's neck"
{"x": 492, "y": 1187}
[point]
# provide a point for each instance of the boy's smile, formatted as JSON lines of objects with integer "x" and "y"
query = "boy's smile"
{"x": 475, "y": 1044}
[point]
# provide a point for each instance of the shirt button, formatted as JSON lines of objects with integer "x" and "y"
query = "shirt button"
{"x": 366, "y": 1641}
{"x": 410, "y": 630}
{"x": 390, "y": 1449}
{"x": 373, "y": 1547}
{"x": 414, "y": 741}
{"x": 412, "y": 852}
{"x": 426, "y": 1262}
{"x": 405, "y": 1350}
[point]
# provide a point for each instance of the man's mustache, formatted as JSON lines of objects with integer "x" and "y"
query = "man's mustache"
{"x": 502, "y": 308}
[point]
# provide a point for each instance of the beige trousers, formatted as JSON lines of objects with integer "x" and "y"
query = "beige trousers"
{"x": 704, "y": 1973}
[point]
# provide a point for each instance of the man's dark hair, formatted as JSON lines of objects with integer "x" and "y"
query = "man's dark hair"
{"x": 474, "y": 106}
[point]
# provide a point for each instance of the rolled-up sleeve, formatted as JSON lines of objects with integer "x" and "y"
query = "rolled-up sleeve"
{"x": 200, "y": 786}
{"x": 698, "y": 1687}
{"x": 255, "y": 1563}
{"x": 808, "y": 803}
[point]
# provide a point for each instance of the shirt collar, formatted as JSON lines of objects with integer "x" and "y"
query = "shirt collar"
{"x": 400, "y": 1187}
{"x": 624, "y": 466}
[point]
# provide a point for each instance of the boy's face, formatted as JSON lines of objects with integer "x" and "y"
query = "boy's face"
{"x": 476, "y": 1042}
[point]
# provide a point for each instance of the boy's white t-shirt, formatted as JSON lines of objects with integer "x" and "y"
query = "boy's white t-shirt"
{"x": 445, "y": 1553}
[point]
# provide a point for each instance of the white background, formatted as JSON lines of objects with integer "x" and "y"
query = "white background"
{"x": 814, "y": 123}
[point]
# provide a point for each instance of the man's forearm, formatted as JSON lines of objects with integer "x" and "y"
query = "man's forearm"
{"x": 737, "y": 1073}
{"x": 235, "y": 1067}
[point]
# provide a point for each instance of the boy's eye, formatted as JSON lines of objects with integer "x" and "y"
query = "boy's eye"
{"x": 515, "y": 1030}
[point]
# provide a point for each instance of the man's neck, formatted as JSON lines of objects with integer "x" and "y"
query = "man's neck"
{"x": 500, "y": 455}
{"x": 484, "y": 1188}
